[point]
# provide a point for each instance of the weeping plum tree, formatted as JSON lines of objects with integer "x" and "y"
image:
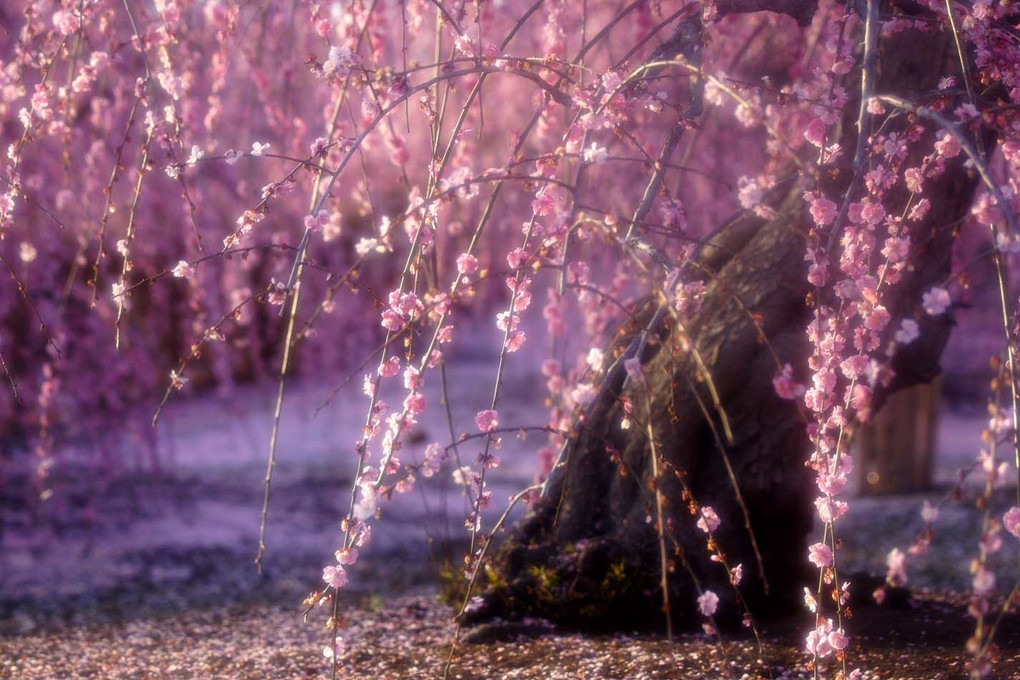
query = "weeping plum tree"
{"x": 717, "y": 449}
{"x": 739, "y": 217}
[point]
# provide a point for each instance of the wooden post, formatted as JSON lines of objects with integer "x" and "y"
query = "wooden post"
{"x": 895, "y": 452}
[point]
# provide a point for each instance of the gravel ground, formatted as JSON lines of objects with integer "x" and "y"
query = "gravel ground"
{"x": 160, "y": 583}
{"x": 409, "y": 637}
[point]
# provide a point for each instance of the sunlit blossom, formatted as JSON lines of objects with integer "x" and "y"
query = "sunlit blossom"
{"x": 708, "y": 603}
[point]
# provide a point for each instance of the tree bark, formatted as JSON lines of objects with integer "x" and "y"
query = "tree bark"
{"x": 587, "y": 554}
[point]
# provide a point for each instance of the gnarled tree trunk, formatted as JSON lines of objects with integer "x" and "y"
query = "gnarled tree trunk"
{"x": 588, "y": 553}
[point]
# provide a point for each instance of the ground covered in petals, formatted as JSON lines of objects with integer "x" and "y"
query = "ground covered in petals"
{"x": 409, "y": 637}
{"x": 161, "y": 583}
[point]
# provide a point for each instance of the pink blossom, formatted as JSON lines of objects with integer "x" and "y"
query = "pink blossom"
{"x": 844, "y": 592}
{"x": 464, "y": 44}
{"x": 830, "y": 510}
{"x": 406, "y": 304}
{"x": 854, "y": 367}
{"x": 583, "y": 394}
{"x": 319, "y": 146}
{"x": 709, "y": 519}
{"x": 545, "y": 200}
{"x": 984, "y": 581}
{"x": 367, "y": 503}
{"x": 832, "y": 484}
{"x": 41, "y": 102}
{"x": 936, "y": 301}
{"x": 347, "y": 556}
{"x": 820, "y": 555}
{"x": 595, "y": 154}
{"x": 896, "y": 249}
{"x": 336, "y": 650}
{"x": 28, "y": 253}
{"x": 991, "y": 541}
{"x": 516, "y": 257}
{"x": 505, "y": 321}
{"x": 1011, "y": 521}
{"x": 737, "y": 574}
{"x": 462, "y": 476}
{"x": 824, "y": 380}
{"x": 259, "y": 149}
{"x": 611, "y": 80}
{"x": 277, "y": 292}
{"x": 749, "y": 192}
{"x": 708, "y": 603}
{"x": 335, "y": 577}
{"x": 673, "y": 214}
{"x": 929, "y": 513}
{"x": 897, "y": 573}
{"x": 842, "y": 65}
{"x": 66, "y": 21}
{"x": 809, "y": 601}
{"x": 823, "y": 211}
{"x": 947, "y": 145}
{"x": 412, "y": 378}
{"x": 818, "y": 639}
{"x": 872, "y": 213}
{"x": 818, "y": 273}
{"x": 183, "y": 270}
{"x": 815, "y": 132}
{"x": 440, "y": 303}
{"x": 1000, "y": 424}
{"x": 522, "y": 298}
{"x": 317, "y": 221}
{"x": 390, "y": 367}
{"x": 893, "y": 146}
{"x": 861, "y": 399}
{"x": 367, "y": 245}
{"x": 966, "y": 111}
{"x": 515, "y": 341}
{"x": 920, "y": 210}
{"x": 578, "y": 272}
{"x": 177, "y": 381}
{"x": 878, "y": 319}
{"x": 339, "y": 61}
{"x": 487, "y": 420}
{"x": 689, "y": 297}
{"x": 914, "y": 179}
{"x": 838, "y": 640}
{"x": 415, "y": 403}
{"x": 391, "y": 321}
{"x": 467, "y": 264}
